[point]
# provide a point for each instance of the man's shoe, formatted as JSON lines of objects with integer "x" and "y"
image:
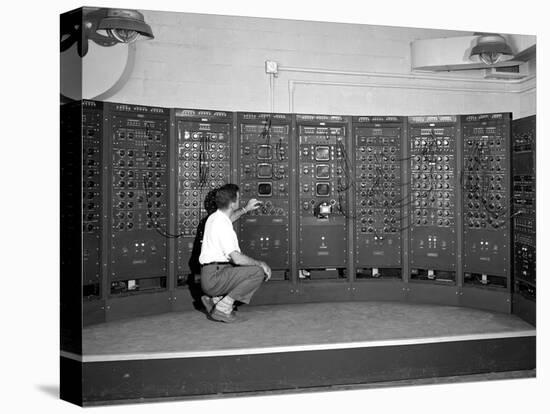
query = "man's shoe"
{"x": 208, "y": 303}
{"x": 223, "y": 317}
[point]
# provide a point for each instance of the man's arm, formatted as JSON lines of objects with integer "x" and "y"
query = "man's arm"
{"x": 252, "y": 204}
{"x": 238, "y": 213}
{"x": 243, "y": 260}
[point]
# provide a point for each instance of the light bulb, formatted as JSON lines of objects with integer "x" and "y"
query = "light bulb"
{"x": 490, "y": 58}
{"x": 123, "y": 35}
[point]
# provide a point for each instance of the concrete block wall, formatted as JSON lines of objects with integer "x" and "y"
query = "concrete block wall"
{"x": 217, "y": 62}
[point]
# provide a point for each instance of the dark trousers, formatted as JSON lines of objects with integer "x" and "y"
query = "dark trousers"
{"x": 237, "y": 282}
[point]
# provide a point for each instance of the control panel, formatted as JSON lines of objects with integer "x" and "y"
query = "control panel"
{"x": 264, "y": 173}
{"x": 204, "y": 141}
{"x": 378, "y": 191}
{"x": 139, "y": 210}
{"x": 325, "y": 175}
{"x": 433, "y": 167}
{"x": 524, "y": 204}
{"x": 92, "y": 130}
{"x": 438, "y": 199}
{"x": 486, "y": 198}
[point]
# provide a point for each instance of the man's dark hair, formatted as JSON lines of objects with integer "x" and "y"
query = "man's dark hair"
{"x": 225, "y": 195}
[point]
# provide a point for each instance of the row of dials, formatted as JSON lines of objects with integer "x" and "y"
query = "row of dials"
{"x": 432, "y": 175}
{"x": 91, "y": 173}
{"x": 320, "y": 152}
{"x": 378, "y": 173}
{"x": 322, "y": 132}
{"x": 484, "y": 169}
{"x": 494, "y": 166}
{"x": 310, "y": 204}
{"x": 208, "y": 156}
{"x": 190, "y": 135}
{"x": 190, "y": 210}
{"x": 277, "y": 152}
{"x": 266, "y": 189}
{"x": 386, "y": 221}
{"x": 132, "y": 131}
{"x": 139, "y": 175}
{"x": 138, "y": 209}
{"x": 427, "y": 143}
{"x": 264, "y": 170}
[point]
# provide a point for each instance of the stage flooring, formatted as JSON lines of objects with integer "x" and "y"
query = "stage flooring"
{"x": 296, "y": 346}
{"x": 295, "y": 327}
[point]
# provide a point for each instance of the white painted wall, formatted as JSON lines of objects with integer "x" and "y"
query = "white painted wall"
{"x": 527, "y": 104}
{"x": 217, "y": 62}
{"x": 528, "y": 98}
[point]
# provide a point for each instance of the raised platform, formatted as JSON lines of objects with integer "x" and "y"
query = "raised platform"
{"x": 289, "y": 347}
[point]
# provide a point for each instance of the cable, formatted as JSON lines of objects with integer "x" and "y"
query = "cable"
{"x": 349, "y": 183}
{"x": 404, "y": 159}
{"x": 266, "y": 134}
{"x": 149, "y": 214}
{"x": 280, "y": 158}
{"x": 343, "y": 209}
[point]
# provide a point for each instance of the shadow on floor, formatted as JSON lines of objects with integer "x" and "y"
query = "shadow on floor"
{"x": 49, "y": 389}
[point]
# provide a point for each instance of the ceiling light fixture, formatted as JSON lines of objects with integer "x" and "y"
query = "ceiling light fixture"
{"x": 491, "y": 49}
{"x": 106, "y": 27}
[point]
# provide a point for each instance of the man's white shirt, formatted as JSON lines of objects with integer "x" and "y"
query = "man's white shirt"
{"x": 219, "y": 239}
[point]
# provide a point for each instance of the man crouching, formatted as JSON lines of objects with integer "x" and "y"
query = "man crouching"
{"x": 228, "y": 275}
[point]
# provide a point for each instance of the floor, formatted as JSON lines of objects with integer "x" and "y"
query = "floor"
{"x": 308, "y": 324}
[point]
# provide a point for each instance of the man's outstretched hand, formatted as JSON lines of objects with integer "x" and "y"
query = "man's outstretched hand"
{"x": 252, "y": 204}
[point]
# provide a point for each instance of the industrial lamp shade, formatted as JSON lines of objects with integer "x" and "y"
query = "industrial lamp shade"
{"x": 125, "y": 25}
{"x": 491, "y": 49}
{"x": 105, "y": 27}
